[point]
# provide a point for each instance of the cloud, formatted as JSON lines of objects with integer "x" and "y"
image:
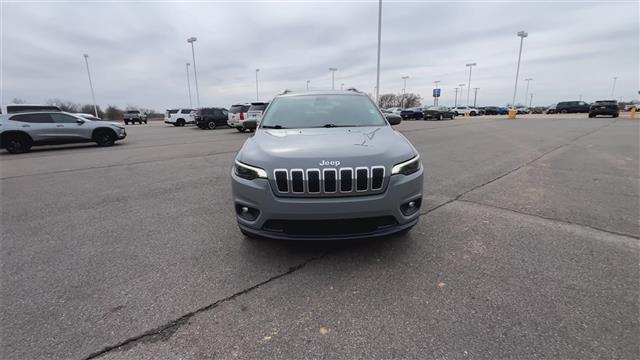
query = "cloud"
{"x": 138, "y": 50}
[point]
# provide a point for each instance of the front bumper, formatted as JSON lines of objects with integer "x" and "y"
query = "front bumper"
{"x": 121, "y": 134}
{"x": 257, "y": 194}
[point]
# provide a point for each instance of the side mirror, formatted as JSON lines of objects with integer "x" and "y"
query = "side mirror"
{"x": 393, "y": 119}
{"x": 79, "y": 121}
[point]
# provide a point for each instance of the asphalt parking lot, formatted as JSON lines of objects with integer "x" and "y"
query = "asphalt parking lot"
{"x": 528, "y": 247}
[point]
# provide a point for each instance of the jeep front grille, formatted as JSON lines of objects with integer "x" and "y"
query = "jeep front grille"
{"x": 329, "y": 181}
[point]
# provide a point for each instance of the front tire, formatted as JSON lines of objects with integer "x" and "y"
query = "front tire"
{"x": 104, "y": 138}
{"x": 180, "y": 122}
{"x": 241, "y": 129}
{"x": 563, "y": 112}
{"x": 592, "y": 115}
{"x": 17, "y": 144}
{"x": 211, "y": 125}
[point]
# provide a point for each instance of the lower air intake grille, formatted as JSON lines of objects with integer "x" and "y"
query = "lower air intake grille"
{"x": 328, "y": 228}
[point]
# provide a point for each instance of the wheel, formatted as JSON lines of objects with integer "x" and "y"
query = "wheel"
{"x": 17, "y": 144}
{"x": 563, "y": 112}
{"x": 176, "y": 124}
{"x": 615, "y": 115}
{"x": 126, "y": 122}
{"x": 145, "y": 122}
{"x": 180, "y": 122}
{"x": 592, "y": 115}
{"x": 241, "y": 129}
{"x": 104, "y": 137}
{"x": 211, "y": 125}
{"x": 251, "y": 130}
{"x": 473, "y": 113}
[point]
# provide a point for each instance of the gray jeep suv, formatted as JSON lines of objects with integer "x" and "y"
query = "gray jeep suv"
{"x": 19, "y": 132}
{"x": 326, "y": 165}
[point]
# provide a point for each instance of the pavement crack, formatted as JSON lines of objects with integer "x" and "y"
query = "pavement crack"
{"x": 165, "y": 331}
{"x": 509, "y": 172}
{"x": 610, "y": 232}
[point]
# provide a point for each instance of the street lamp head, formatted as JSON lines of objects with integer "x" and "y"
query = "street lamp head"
{"x": 85, "y": 55}
{"x": 461, "y": 85}
{"x": 257, "y": 70}
{"x": 522, "y": 34}
{"x": 333, "y": 69}
{"x": 528, "y": 79}
{"x": 472, "y": 64}
{"x": 188, "y": 64}
{"x": 192, "y": 39}
{"x": 405, "y": 77}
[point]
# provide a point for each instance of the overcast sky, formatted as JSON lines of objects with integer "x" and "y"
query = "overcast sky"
{"x": 138, "y": 50}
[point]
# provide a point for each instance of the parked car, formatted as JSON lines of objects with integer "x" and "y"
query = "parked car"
{"x": 16, "y": 108}
{"x": 521, "y": 110}
{"x": 604, "y": 107}
{"x": 537, "y": 110}
{"x": 460, "y": 110}
{"x": 21, "y": 131}
{"x": 630, "y": 106}
{"x": 411, "y": 113}
{"x": 179, "y": 117}
{"x": 393, "y": 110}
{"x": 572, "y": 107}
{"x": 88, "y": 116}
{"x": 211, "y": 117}
{"x": 237, "y": 113}
{"x": 133, "y": 116}
{"x": 438, "y": 113}
{"x": 300, "y": 176}
{"x": 495, "y": 110}
{"x": 256, "y": 109}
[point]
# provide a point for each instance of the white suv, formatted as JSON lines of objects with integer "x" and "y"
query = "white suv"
{"x": 237, "y": 114}
{"x": 179, "y": 117}
{"x": 460, "y": 110}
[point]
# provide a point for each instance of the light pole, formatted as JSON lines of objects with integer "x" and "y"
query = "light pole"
{"x": 333, "y": 71}
{"x": 342, "y": 86}
{"x": 93, "y": 96}
{"x": 461, "y": 88}
{"x": 526, "y": 92}
{"x": 475, "y": 96}
{"x": 522, "y": 35}
{"x": 455, "y": 103}
{"x": 613, "y": 88}
{"x": 435, "y": 99}
{"x": 470, "y": 66}
{"x": 257, "y": 93}
{"x": 191, "y": 40}
{"x": 379, "y": 38}
{"x": 531, "y": 100}
{"x": 189, "y": 87}
{"x": 404, "y": 89}
{"x": 308, "y": 81}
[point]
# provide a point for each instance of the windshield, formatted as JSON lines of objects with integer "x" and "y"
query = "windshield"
{"x": 238, "y": 109}
{"x": 258, "y": 107}
{"x": 132, "y": 111}
{"x": 309, "y": 111}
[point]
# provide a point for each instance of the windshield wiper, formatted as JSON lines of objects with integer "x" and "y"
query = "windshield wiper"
{"x": 334, "y": 125}
{"x": 273, "y": 127}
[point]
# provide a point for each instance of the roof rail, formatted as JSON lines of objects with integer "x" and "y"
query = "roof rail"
{"x": 285, "y": 91}
{"x": 354, "y": 90}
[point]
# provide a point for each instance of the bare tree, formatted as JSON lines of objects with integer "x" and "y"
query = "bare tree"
{"x": 113, "y": 113}
{"x": 18, "y": 101}
{"x": 388, "y": 100}
{"x": 412, "y": 100}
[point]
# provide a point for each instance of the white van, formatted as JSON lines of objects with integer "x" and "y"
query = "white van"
{"x": 179, "y": 117}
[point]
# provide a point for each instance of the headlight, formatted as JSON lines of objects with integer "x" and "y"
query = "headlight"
{"x": 408, "y": 167}
{"x": 248, "y": 172}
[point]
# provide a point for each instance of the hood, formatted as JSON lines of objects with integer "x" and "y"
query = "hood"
{"x": 337, "y": 147}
